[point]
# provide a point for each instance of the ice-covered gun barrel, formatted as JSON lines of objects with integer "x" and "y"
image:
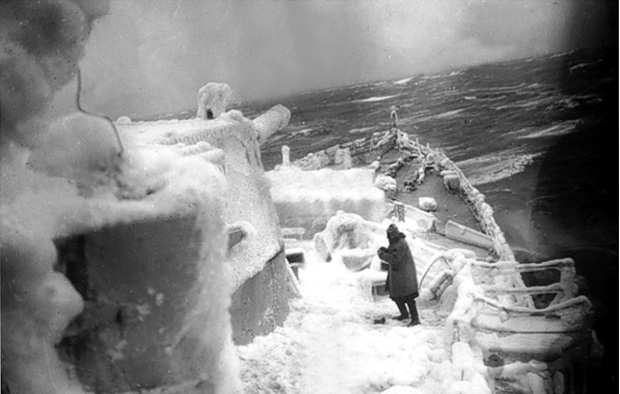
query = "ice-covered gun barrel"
{"x": 271, "y": 121}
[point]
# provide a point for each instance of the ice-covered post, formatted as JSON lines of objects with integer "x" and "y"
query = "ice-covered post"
{"x": 286, "y": 161}
{"x": 271, "y": 121}
{"x": 399, "y": 211}
{"x": 213, "y": 98}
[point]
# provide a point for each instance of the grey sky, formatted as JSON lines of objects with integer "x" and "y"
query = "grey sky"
{"x": 151, "y": 56}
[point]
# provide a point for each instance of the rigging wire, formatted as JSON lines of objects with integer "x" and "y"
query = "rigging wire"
{"x": 78, "y": 104}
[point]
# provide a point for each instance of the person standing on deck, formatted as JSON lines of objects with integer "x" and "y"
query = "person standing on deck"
{"x": 402, "y": 279}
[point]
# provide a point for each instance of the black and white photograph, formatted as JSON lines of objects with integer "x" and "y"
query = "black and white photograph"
{"x": 309, "y": 196}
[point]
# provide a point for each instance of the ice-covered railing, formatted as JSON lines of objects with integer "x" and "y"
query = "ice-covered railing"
{"x": 497, "y": 279}
{"x": 488, "y": 285}
{"x": 564, "y": 290}
{"x": 484, "y": 215}
{"x": 524, "y": 346}
{"x": 342, "y": 154}
{"x": 482, "y": 210}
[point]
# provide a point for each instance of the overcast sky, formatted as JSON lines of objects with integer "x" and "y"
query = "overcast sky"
{"x": 151, "y": 56}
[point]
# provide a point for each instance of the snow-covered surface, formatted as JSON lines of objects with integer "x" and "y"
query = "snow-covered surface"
{"x": 37, "y": 209}
{"x": 162, "y": 174}
{"x": 214, "y": 97}
{"x": 247, "y": 192}
{"x": 331, "y": 344}
{"x": 340, "y": 338}
{"x": 309, "y": 198}
{"x": 151, "y": 132}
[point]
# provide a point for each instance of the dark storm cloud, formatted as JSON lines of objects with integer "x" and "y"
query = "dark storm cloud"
{"x": 535, "y": 27}
{"x": 592, "y": 23}
{"x": 41, "y": 43}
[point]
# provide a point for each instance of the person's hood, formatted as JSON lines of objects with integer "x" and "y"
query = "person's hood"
{"x": 393, "y": 233}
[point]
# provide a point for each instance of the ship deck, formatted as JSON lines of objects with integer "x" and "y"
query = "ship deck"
{"x": 450, "y": 206}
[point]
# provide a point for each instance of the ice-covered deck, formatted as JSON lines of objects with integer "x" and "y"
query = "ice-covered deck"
{"x": 340, "y": 338}
{"x": 330, "y": 343}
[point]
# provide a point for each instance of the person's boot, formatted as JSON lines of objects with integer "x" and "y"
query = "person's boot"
{"x": 415, "y": 319}
{"x": 402, "y": 308}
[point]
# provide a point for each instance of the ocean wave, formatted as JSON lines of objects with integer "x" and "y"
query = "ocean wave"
{"x": 419, "y": 115}
{"x": 402, "y": 81}
{"x": 443, "y": 75}
{"x": 576, "y": 101}
{"x": 555, "y": 130}
{"x": 491, "y": 98}
{"x": 445, "y": 93}
{"x": 432, "y": 77}
{"x": 375, "y": 99}
{"x": 583, "y": 65}
{"x": 534, "y": 85}
{"x": 561, "y": 54}
{"x": 363, "y": 130}
{"x": 499, "y": 88}
{"x": 494, "y": 167}
{"x": 526, "y": 104}
{"x": 449, "y": 114}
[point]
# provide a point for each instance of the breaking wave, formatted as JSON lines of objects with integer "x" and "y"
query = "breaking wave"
{"x": 552, "y": 131}
{"x": 493, "y": 167}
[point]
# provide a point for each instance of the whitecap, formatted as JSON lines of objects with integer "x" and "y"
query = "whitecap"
{"x": 500, "y": 88}
{"x": 449, "y": 114}
{"x": 553, "y": 131}
{"x": 302, "y": 132}
{"x": 361, "y": 130}
{"x": 526, "y": 104}
{"x": 583, "y": 65}
{"x": 375, "y": 99}
{"x": 403, "y": 81}
{"x": 494, "y": 167}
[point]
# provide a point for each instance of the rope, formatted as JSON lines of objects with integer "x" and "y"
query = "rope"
{"x": 78, "y": 93}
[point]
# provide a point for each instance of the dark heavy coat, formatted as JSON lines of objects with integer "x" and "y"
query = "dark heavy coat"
{"x": 402, "y": 276}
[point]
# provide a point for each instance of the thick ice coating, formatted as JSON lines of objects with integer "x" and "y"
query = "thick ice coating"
{"x": 82, "y": 278}
{"x": 213, "y": 98}
{"x": 309, "y": 198}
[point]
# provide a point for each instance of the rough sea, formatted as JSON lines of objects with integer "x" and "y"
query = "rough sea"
{"x": 537, "y": 136}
